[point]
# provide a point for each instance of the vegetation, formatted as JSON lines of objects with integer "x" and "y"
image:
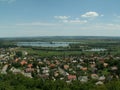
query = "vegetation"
{"x": 20, "y": 82}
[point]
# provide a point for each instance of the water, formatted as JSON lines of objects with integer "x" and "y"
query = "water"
{"x": 45, "y": 44}
{"x": 97, "y": 49}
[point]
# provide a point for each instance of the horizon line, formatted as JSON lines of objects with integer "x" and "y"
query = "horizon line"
{"x": 56, "y": 36}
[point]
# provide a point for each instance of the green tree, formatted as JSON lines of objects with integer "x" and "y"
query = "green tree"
{"x": 19, "y": 54}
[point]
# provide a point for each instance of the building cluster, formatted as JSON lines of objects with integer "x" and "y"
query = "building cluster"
{"x": 68, "y": 68}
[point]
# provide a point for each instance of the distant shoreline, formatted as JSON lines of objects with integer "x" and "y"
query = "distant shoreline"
{"x": 66, "y": 37}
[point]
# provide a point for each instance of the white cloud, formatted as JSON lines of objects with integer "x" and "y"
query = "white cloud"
{"x": 103, "y": 26}
{"x": 102, "y": 15}
{"x": 62, "y": 17}
{"x": 75, "y": 21}
{"x": 117, "y": 16}
{"x": 36, "y": 24}
{"x": 78, "y": 21}
{"x": 8, "y": 1}
{"x": 65, "y": 21}
{"x": 90, "y": 15}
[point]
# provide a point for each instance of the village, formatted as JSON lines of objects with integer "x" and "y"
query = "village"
{"x": 84, "y": 68}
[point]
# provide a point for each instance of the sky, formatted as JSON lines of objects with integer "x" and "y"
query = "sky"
{"x": 25, "y": 18}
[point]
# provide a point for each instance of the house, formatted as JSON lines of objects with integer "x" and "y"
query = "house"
{"x": 29, "y": 70}
{"x": 52, "y": 65}
{"x": 43, "y": 76}
{"x": 23, "y": 62}
{"x": 4, "y": 69}
{"x": 94, "y": 76}
{"x": 102, "y": 60}
{"x": 14, "y": 70}
{"x": 62, "y": 72}
{"x": 66, "y": 67}
{"x": 48, "y": 62}
{"x": 83, "y": 79}
{"x": 92, "y": 65}
{"x": 71, "y": 77}
{"x": 101, "y": 78}
{"x": 38, "y": 69}
{"x": 27, "y": 75}
{"x": 45, "y": 68}
{"x": 94, "y": 70}
{"x": 79, "y": 66}
{"x": 25, "y": 52}
{"x": 74, "y": 61}
{"x": 57, "y": 62}
{"x": 45, "y": 71}
{"x": 16, "y": 60}
{"x": 29, "y": 65}
{"x": 56, "y": 74}
{"x": 99, "y": 83}
{"x": 114, "y": 68}
{"x": 105, "y": 64}
{"x": 84, "y": 69}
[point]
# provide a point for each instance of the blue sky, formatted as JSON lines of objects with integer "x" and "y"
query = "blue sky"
{"x": 22, "y": 18}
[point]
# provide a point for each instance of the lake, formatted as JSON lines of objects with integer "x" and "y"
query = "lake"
{"x": 97, "y": 49}
{"x": 46, "y": 44}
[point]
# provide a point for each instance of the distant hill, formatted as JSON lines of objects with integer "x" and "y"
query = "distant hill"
{"x": 49, "y": 38}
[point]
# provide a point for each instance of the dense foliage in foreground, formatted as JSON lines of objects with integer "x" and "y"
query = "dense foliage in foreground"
{"x": 19, "y": 82}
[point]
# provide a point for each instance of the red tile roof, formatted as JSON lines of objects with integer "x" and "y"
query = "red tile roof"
{"x": 30, "y": 65}
{"x": 23, "y": 62}
{"x": 71, "y": 77}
